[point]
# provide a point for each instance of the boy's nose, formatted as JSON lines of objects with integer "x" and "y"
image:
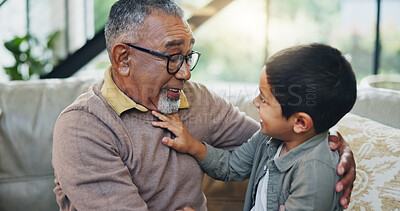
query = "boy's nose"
{"x": 255, "y": 103}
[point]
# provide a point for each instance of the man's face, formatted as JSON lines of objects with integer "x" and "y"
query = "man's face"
{"x": 149, "y": 83}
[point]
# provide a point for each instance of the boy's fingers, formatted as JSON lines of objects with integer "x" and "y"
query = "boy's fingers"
{"x": 171, "y": 127}
{"x": 168, "y": 141}
{"x": 174, "y": 116}
{"x": 155, "y": 113}
{"x": 160, "y": 124}
{"x": 159, "y": 115}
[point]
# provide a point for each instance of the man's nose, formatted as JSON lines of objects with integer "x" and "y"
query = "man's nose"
{"x": 183, "y": 73}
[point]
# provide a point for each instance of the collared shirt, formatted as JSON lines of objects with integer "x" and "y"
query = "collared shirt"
{"x": 120, "y": 102}
{"x": 262, "y": 189}
{"x": 302, "y": 179}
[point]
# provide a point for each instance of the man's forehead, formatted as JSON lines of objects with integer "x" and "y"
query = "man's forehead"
{"x": 170, "y": 30}
{"x": 178, "y": 42}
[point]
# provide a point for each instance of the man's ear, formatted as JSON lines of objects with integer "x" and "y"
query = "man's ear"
{"x": 120, "y": 59}
{"x": 302, "y": 122}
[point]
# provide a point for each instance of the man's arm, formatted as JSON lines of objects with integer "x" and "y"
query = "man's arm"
{"x": 88, "y": 166}
{"x": 346, "y": 167}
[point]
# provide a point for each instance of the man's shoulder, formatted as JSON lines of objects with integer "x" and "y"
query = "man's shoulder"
{"x": 90, "y": 101}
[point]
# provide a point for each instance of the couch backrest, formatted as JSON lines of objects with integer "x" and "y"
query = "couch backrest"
{"x": 381, "y": 105}
{"x": 28, "y": 113}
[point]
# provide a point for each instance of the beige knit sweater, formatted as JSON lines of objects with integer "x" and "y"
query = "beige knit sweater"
{"x": 103, "y": 161}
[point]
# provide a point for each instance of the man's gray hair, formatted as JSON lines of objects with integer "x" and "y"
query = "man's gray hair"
{"x": 127, "y": 17}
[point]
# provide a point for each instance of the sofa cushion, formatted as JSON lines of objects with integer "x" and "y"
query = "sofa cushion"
{"x": 29, "y": 111}
{"x": 376, "y": 149}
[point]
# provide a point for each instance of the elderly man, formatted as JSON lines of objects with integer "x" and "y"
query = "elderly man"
{"x": 106, "y": 153}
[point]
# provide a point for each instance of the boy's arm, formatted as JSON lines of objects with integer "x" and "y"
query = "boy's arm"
{"x": 217, "y": 163}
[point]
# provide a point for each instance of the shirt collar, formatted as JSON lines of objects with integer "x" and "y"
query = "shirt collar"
{"x": 120, "y": 102}
{"x": 286, "y": 161}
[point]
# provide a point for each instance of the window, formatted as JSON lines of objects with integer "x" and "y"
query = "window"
{"x": 349, "y": 25}
{"x": 232, "y": 43}
{"x": 236, "y": 41}
{"x": 390, "y": 37}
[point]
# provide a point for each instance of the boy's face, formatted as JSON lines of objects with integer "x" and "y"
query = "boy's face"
{"x": 272, "y": 122}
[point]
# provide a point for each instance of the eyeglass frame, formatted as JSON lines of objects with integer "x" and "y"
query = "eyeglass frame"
{"x": 167, "y": 56}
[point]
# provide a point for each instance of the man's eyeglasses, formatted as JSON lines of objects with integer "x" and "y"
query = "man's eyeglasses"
{"x": 175, "y": 61}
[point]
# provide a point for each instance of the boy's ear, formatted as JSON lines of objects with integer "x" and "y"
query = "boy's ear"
{"x": 302, "y": 122}
{"x": 120, "y": 59}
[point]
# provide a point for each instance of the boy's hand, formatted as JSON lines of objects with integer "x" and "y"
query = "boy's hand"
{"x": 186, "y": 209}
{"x": 183, "y": 142}
{"x": 346, "y": 167}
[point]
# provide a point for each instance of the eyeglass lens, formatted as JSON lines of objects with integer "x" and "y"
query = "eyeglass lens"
{"x": 176, "y": 61}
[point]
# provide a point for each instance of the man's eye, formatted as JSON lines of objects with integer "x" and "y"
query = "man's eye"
{"x": 176, "y": 59}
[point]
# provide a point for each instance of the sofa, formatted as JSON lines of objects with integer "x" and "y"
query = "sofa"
{"x": 29, "y": 109}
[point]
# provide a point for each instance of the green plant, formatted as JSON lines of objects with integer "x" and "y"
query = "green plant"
{"x": 32, "y": 59}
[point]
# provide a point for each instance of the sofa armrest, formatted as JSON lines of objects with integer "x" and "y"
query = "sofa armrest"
{"x": 381, "y": 105}
{"x": 29, "y": 111}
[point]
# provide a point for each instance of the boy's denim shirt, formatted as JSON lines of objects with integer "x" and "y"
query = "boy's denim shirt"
{"x": 302, "y": 179}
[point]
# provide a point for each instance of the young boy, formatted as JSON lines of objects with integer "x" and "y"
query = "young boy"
{"x": 304, "y": 91}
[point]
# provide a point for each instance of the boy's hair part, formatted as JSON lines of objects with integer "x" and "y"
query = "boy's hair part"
{"x": 315, "y": 79}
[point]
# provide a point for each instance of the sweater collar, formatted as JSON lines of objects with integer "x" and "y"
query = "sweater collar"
{"x": 121, "y": 102}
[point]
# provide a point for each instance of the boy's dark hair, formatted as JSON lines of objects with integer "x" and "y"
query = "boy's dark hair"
{"x": 315, "y": 79}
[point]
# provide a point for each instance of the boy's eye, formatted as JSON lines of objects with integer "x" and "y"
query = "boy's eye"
{"x": 261, "y": 99}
